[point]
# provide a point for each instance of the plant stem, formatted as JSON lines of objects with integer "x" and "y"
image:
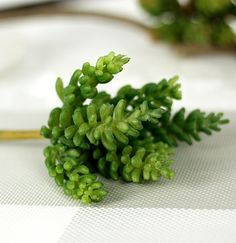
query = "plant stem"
{"x": 57, "y": 10}
{"x": 19, "y": 135}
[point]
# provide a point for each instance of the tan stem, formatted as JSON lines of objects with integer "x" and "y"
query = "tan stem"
{"x": 57, "y": 10}
{"x": 19, "y": 135}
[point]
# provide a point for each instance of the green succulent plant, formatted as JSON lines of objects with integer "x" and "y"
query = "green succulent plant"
{"x": 213, "y": 7}
{"x": 129, "y": 136}
{"x": 199, "y": 22}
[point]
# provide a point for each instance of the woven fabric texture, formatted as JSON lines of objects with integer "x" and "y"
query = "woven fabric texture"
{"x": 151, "y": 225}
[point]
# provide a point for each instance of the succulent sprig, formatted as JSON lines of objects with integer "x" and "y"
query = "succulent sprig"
{"x": 186, "y": 128}
{"x": 129, "y": 136}
{"x": 197, "y": 22}
{"x": 157, "y": 95}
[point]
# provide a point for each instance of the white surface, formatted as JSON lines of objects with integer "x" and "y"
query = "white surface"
{"x": 151, "y": 225}
{"x": 126, "y": 8}
{"x": 5, "y": 4}
{"x": 35, "y": 52}
{"x": 33, "y": 224}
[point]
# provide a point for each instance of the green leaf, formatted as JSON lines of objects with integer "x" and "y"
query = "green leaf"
{"x": 59, "y": 88}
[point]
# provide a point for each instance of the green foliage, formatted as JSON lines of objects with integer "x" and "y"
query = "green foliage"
{"x": 155, "y": 94}
{"x": 158, "y": 7}
{"x": 198, "y": 22}
{"x": 171, "y": 129}
{"x": 129, "y": 136}
{"x": 145, "y": 160}
{"x": 212, "y": 7}
{"x": 66, "y": 166}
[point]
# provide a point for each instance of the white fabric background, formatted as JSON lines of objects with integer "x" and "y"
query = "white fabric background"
{"x": 5, "y": 4}
{"x": 197, "y": 206}
{"x": 151, "y": 225}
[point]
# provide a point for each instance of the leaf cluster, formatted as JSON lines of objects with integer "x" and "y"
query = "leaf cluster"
{"x": 198, "y": 22}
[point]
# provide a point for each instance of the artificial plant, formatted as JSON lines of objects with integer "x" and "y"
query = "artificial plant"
{"x": 130, "y": 136}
